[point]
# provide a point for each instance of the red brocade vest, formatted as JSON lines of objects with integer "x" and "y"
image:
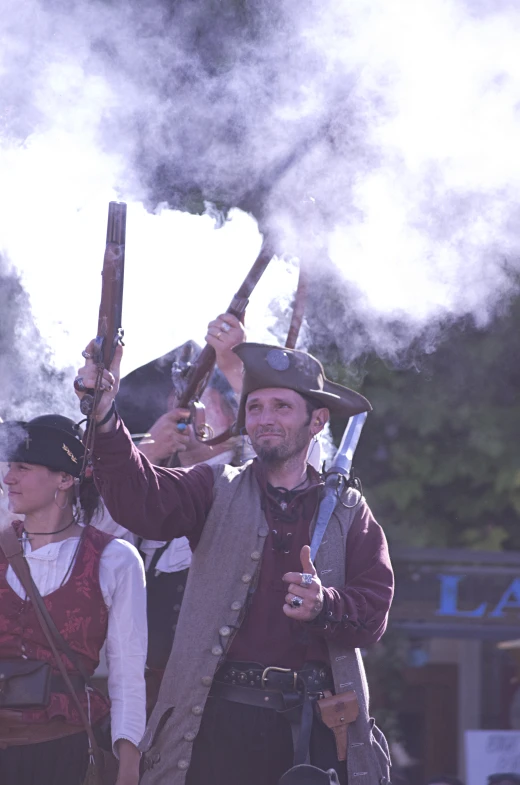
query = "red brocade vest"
{"x": 80, "y": 614}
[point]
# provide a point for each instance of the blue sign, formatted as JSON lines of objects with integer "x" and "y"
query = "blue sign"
{"x": 449, "y": 600}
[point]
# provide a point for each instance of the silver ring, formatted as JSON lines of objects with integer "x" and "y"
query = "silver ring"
{"x": 79, "y": 384}
{"x": 306, "y": 579}
{"x": 225, "y": 327}
{"x": 86, "y": 354}
{"x": 296, "y": 602}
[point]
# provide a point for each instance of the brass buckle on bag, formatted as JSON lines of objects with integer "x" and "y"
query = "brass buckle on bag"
{"x": 278, "y": 670}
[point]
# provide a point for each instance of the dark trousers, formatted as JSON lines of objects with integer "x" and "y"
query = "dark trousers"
{"x": 247, "y": 745}
{"x": 60, "y": 762}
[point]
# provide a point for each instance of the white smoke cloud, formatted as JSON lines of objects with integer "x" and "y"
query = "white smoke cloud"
{"x": 439, "y": 210}
{"x": 411, "y": 188}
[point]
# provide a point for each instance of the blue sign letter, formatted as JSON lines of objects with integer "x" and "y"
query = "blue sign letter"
{"x": 449, "y": 599}
{"x": 509, "y": 599}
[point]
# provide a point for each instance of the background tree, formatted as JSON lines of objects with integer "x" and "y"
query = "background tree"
{"x": 440, "y": 454}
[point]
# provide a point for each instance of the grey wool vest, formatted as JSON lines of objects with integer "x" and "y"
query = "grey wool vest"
{"x": 222, "y": 573}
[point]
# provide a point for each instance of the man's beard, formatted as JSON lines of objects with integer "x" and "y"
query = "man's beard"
{"x": 282, "y": 452}
{"x": 278, "y": 453}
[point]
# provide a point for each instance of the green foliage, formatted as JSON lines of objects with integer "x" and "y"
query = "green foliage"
{"x": 384, "y": 663}
{"x": 440, "y": 454}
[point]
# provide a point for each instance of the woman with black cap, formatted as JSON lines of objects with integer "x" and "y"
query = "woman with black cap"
{"x": 94, "y": 590}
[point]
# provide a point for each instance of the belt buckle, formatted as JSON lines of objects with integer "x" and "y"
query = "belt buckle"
{"x": 278, "y": 670}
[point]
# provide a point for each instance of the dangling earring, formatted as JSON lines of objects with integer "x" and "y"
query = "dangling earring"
{"x": 313, "y": 447}
{"x": 77, "y": 503}
{"x": 56, "y": 502}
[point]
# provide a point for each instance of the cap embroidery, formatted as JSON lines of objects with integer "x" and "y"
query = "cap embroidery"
{"x": 69, "y": 453}
{"x": 278, "y": 360}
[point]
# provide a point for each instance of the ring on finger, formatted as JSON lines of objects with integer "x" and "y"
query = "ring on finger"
{"x": 79, "y": 384}
{"x": 219, "y": 333}
{"x": 225, "y": 327}
{"x": 296, "y": 602}
{"x": 306, "y": 579}
{"x": 86, "y": 354}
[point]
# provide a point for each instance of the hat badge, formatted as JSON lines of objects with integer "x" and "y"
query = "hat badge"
{"x": 278, "y": 360}
{"x": 69, "y": 453}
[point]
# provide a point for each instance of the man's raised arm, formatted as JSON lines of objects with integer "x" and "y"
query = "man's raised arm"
{"x": 153, "y": 502}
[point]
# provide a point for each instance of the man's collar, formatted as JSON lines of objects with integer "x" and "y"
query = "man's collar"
{"x": 260, "y": 474}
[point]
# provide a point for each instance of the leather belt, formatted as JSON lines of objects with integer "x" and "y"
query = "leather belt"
{"x": 284, "y": 690}
{"x": 314, "y": 677}
{"x": 14, "y": 732}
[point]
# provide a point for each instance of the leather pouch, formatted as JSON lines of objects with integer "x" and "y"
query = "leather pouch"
{"x": 24, "y": 684}
{"x": 337, "y": 712}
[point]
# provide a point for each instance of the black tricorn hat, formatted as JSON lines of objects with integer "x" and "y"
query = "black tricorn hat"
{"x": 52, "y": 440}
{"x": 143, "y": 393}
{"x": 272, "y": 366}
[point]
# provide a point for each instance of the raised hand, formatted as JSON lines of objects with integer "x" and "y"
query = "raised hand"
{"x": 304, "y": 598}
{"x": 165, "y": 438}
{"x": 86, "y": 380}
{"x": 225, "y": 332}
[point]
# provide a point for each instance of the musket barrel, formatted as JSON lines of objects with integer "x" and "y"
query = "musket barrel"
{"x": 241, "y": 298}
{"x": 111, "y": 305}
{"x": 116, "y": 224}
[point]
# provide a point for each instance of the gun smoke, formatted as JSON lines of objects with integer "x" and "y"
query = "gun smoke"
{"x": 404, "y": 204}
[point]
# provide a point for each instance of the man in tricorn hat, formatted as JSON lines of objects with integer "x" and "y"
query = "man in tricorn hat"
{"x": 262, "y": 629}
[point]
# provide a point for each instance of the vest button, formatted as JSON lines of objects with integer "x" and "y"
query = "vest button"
{"x": 256, "y": 555}
{"x": 207, "y": 682}
{"x": 263, "y": 531}
{"x": 235, "y": 606}
{"x": 183, "y": 765}
{"x": 246, "y": 578}
{"x": 224, "y": 631}
{"x": 190, "y": 735}
{"x": 197, "y": 710}
{"x": 217, "y": 651}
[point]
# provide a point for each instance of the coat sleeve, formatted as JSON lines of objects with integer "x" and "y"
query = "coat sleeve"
{"x": 356, "y": 614}
{"x": 151, "y": 501}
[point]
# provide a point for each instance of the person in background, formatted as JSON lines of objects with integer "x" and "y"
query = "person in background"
{"x": 94, "y": 589}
